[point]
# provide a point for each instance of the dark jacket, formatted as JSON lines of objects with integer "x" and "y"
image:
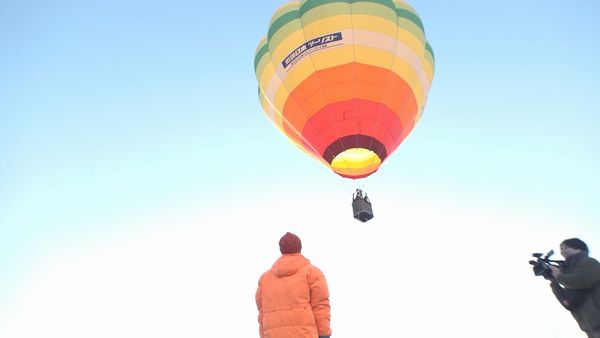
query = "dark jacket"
{"x": 582, "y": 273}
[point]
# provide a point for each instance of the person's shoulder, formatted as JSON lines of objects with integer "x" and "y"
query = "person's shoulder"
{"x": 589, "y": 259}
{"x": 589, "y": 262}
{"x": 314, "y": 270}
{"x": 264, "y": 275}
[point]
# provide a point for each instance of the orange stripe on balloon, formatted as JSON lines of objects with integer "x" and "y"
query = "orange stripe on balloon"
{"x": 334, "y": 122}
{"x": 346, "y": 82}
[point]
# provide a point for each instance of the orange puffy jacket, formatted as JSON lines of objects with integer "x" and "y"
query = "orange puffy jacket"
{"x": 293, "y": 300}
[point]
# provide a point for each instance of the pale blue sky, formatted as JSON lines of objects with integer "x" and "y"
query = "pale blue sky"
{"x": 121, "y": 110}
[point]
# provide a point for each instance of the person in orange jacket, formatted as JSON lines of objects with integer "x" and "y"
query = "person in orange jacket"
{"x": 293, "y": 297}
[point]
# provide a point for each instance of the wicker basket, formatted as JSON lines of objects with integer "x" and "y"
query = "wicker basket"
{"x": 361, "y": 206}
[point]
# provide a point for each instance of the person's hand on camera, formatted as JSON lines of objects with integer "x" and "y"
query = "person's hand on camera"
{"x": 555, "y": 270}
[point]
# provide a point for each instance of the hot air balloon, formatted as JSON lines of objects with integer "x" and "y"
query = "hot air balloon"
{"x": 345, "y": 81}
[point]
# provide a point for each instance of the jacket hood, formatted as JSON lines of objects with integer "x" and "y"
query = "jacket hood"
{"x": 287, "y": 265}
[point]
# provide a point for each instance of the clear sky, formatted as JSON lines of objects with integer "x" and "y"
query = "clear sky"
{"x": 143, "y": 191}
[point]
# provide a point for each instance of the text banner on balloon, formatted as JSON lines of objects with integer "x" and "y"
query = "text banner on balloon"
{"x": 321, "y": 42}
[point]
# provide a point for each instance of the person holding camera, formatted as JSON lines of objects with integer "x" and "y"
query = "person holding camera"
{"x": 293, "y": 297}
{"x": 577, "y": 285}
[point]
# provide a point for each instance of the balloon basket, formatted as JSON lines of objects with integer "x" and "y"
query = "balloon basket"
{"x": 361, "y": 206}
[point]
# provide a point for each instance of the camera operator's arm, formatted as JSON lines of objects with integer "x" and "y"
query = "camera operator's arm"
{"x": 569, "y": 299}
{"x": 584, "y": 276}
{"x": 559, "y": 292}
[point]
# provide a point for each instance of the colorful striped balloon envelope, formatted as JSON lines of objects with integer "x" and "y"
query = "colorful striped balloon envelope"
{"x": 346, "y": 81}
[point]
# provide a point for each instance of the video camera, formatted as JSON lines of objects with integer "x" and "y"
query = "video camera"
{"x": 541, "y": 266}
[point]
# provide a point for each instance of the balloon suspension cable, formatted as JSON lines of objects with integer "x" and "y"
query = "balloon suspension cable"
{"x": 350, "y": 190}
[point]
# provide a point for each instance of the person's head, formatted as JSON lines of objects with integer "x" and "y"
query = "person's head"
{"x": 572, "y": 246}
{"x": 290, "y": 244}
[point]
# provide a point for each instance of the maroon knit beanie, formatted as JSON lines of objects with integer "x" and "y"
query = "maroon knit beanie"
{"x": 290, "y": 244}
